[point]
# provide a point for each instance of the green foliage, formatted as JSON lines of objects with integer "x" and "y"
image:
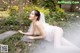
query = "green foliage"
{"x": 49, "y": 4}
{"x": 51, "y": 15}
{"x": 13, "y": 18}
{"x": 11, "y": 22}
{"x": 4, "y": 14}
{"x": 14, "y": 8}
{"x": 13, "y": 42}
{"x": 32, "y": 7}
{"x": 57, "y": 16}
{"x": 26, "y": 21}
{"x": 60, "y": 14}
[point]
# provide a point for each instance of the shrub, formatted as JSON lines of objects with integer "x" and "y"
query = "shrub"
{"x": 13, "y": 42}
{"x": 32, "y": 7}
{"x": 13, "y": 18}
{"x": 57, "y": 16}
{"x": 26, "y": 21}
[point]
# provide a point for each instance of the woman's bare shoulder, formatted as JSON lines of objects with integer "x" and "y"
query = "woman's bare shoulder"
{"x": 38, "y": 23}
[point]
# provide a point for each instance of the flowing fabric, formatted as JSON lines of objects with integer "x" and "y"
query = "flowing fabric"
{"x": 50, "y": 31}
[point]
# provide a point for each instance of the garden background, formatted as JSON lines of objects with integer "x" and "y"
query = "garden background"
{"x": 14, "y": 16}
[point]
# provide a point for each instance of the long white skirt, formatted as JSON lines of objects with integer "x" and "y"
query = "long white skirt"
{"x": 53, "y": 37}
{"x": 54, "y": 33}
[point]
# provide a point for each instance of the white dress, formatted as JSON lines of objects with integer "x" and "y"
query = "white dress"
{"x": 50, "y": 32}
{"x": 47, "y": 47}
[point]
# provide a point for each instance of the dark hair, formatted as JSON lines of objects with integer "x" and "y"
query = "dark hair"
{"x": 37, "y": 13}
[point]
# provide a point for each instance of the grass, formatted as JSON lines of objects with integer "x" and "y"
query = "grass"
{"x": 13, "y": 43}
{"x": 7, "y": 28}
{"x": 2, "y": 31}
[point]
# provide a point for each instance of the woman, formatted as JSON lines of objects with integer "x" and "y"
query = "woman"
{"x": 41, "y": 30}
{"x": 36, "y": 28}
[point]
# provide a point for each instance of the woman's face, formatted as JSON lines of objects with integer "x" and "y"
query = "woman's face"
{"x": 32, "y": 16}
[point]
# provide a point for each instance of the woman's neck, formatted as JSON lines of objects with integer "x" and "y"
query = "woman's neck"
{"x": 34, "y": 21}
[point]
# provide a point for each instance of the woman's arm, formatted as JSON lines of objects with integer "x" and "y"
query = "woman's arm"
{"x": 41, "y": 30}
{"x": 28, "y": 33}
{"x": 25, "y": 33}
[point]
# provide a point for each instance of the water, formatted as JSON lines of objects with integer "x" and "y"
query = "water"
{"x": 71, "y": 33}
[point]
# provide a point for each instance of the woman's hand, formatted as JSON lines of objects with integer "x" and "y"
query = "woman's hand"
{"x": 20, "y": 31}
{"x": 27, "y": 33}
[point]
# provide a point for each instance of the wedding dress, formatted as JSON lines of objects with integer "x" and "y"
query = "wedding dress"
{"x": 67, "y": 46}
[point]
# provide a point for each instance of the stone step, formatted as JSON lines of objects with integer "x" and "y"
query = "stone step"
{"x": 7, "y": 34}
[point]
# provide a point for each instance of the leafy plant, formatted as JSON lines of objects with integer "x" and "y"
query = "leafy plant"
{"x": 13, "y": 42}
{"x": 57, "y": 16}
{"x": 32, "y": 7}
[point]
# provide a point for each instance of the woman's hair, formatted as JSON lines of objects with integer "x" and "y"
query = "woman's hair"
{"x": 37, "y": 13}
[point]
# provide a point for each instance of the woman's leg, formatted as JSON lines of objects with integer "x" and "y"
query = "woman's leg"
{"x": 60, "y": 41}
{"x": 58, "y": 34}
